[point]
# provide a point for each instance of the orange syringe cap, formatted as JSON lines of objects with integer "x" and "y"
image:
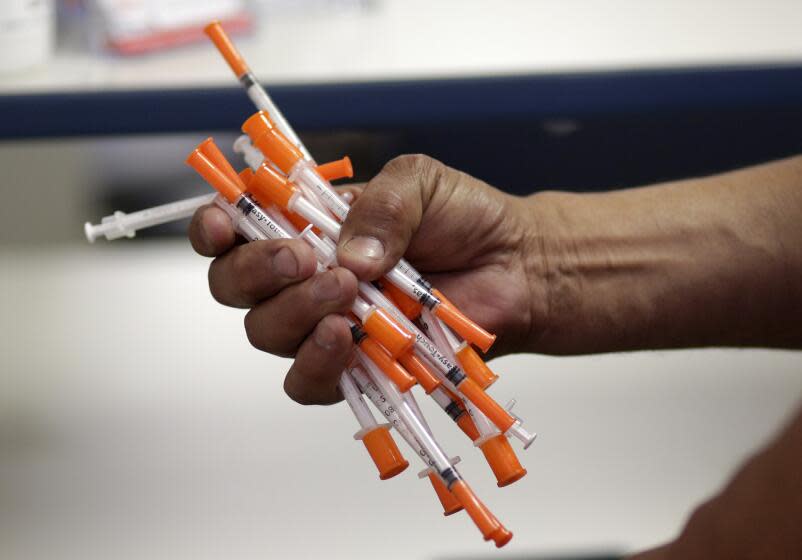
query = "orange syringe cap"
{"x": 449, "y": 502}
{"x": 487, "y": 523}
{"x": 501, "y": 536}
{"x": 387, "y": 364}
{"x": 297, "y": 221}
{"x": 221, "y": 182}
{"x": 271, "y": 186}
{"x": 338, "y": 169}
{"x": 420, "y": 371}
{"x": 217, "y": 34}
{"x": 246, "y": 176}
{"x": 468, "y": 426}
{"x": 475, "y": 367}
{"x": 213, "y": 153}
{"x": 502, "y": 460}
{"x": 408, "y": 306}
{"x": 463, "y": 326}
{"x": 484, "y": 402}
{"x": 386, "y": 331}
{"x": 272, "y": 143}
{"x": 385, "y": 453}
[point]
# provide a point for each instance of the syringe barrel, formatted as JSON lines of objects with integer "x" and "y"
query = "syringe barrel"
{"x": 409, "y": 271}
{"x": 240, "y": 222}
{"x": 409, "y": 398}
{"x": 353, "y": 397}
{"x": 412, "y": 288}
{"x": 260, "y": 218}
{"x": 325, "y": 254}
{"x": 308, "y": 211}
{"x": 167, "y": 212}
{"x": 304, "y": 173}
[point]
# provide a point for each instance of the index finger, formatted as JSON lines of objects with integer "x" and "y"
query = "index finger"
{"x": 211, "y": 231}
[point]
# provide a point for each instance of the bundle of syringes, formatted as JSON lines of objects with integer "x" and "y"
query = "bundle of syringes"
{"x": 405, "y": 332}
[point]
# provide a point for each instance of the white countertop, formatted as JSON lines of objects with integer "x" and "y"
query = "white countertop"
{"x": 136, "y": 422}
{"x": 408, "y": 39}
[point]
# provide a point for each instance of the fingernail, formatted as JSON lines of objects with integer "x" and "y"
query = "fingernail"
{"x": 285, "y": 263}
{"x": 326, "y": 287}
{"x": 365, "y": 247}
{"x": 324, "y": 336}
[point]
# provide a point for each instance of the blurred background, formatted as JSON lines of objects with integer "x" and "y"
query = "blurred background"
{"x": 135, "y": 419}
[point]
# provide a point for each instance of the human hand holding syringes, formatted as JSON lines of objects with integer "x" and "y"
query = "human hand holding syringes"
{"x": 330, "y": 287}
{"x": 255, "y": 219}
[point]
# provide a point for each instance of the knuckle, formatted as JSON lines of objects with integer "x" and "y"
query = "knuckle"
{"x": 216, "y": 283}
{"x": 252, "y": 331}
{"x": 292, "y": 391}
{"x": 414, "y": 165}
{"x": 427, "y": 173}
{"x": 266, "y": 338}
{"x": 245, "y": 272}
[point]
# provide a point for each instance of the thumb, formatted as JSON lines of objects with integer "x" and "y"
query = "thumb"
{"x": 386, "y": 215}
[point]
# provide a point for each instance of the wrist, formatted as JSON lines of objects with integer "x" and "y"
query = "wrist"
{"x": 590, "y": 274}
{"x": 553, "y": 300}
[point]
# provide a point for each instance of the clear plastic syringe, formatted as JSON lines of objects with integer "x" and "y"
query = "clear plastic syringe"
{"x": 248, "y": 80}
{"x": 121, "y": 224}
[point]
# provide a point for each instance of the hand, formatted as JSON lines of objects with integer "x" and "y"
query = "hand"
{"x": 471, "y": 241}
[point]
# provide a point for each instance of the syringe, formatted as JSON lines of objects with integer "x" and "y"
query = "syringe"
{"x": 248, "y": 80}
{"x": 121, "y": 224}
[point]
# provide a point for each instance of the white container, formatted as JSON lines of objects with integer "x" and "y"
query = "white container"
{"x": 26, "y": 33}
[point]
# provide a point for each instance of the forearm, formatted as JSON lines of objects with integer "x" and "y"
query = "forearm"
{"x": 712, "y": 261}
